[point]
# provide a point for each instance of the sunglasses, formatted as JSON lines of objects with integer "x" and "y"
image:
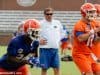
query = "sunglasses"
{"x": 49, "y": 14}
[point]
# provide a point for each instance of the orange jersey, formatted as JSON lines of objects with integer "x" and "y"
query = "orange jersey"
{"x": 96, "y": 46}
{"x": 81, "y": 47}
{"x": 96, "y": 49}
{"x": 81, "y": 52}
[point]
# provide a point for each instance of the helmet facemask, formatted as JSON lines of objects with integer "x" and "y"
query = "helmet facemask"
{"x": 34, "y": 34}
{"x": 91, "y": 15}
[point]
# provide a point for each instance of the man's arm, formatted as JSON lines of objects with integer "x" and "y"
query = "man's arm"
{"x": 83, "y": 37}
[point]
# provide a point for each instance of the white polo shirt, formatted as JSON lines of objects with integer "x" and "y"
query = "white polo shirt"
{"x": 52, "y": 32}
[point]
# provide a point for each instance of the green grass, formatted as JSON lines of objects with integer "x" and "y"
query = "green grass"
{"x": 66, "y": 68}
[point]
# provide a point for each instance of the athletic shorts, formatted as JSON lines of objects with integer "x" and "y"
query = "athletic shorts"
{"x": 49, "y": 58}
{"x": 86, "y": 63}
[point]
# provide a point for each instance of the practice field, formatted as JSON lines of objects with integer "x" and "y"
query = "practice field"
{"x": 66, "y": 68}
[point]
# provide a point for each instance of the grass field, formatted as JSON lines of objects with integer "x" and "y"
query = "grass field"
{"x": 66, "y": 68}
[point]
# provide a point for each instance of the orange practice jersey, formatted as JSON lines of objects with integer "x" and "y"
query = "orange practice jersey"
{"x": 81, "y": 47}
{"x": 96, "y": 46}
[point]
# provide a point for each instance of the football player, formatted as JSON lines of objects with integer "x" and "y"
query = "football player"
{"x": 22, "y": 50}
{"x": 64, "y": 43}
{"x": 84, "y": 35}
{"x": 96, "y": 48}
{"x": 19, "y": 30}
{"x": 97, "y": 6}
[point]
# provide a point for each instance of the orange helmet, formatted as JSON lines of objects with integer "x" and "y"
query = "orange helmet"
{"x": 32, "y": 28}
{"x": 31, "y": 24}
{"x": 88, "y": 11}
{"x": 97, "y": 6}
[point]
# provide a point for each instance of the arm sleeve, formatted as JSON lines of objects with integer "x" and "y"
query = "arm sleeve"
{"x": 12, "y": 49}
{"x": 79, "y": 33}
{"x": 64, "y": 39}
{"x": 35, "y": 46}
{"x": 79, "y": 29}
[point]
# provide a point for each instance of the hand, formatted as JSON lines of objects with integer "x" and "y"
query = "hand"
{"x": 97, "y": 29}
{"x": 43, "y": 41}
{"x": 92, "y": 31}
{"x": 34, "y": 61}
{"x": 95, "y": 58}
{"x": 98, "y": 60}
{"x": 98, "y": 34}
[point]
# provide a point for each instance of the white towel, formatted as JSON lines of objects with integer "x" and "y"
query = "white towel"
{"x": 90, "y": 40}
